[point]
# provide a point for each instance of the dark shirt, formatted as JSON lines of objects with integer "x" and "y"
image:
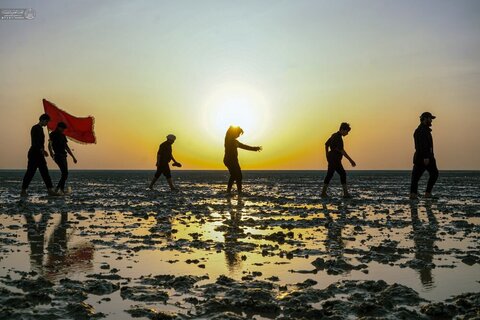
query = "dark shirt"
{"x": 231, "y": 152}
{"x": 423, "y": 143}
{"x": 37, "y": 137}
{"x": 164, "y": 154}
{"x": 59, "y": 143}
{"x": 335, "y": 144}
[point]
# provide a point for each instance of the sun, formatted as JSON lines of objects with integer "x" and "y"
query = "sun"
{"x": 238, "y": 105}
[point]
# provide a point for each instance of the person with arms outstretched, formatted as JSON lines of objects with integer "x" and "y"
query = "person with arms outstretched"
{"x": 58, "y": 147}
{"x": 335, "y": 152}
{"x": 164, "y": 156}
{"x": 36, "y": 157}
{"x": 231, "y": 157}
{"x": 423, "y": 159}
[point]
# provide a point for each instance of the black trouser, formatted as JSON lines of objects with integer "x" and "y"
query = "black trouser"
{"x": 235, "y": 173}
{"x": 418, "y": 169}
{"x": 335, "y": 165}
{"x": 36, "y": 160}
{"x": 163, "y": 169}
{"x": 62, "y": 163}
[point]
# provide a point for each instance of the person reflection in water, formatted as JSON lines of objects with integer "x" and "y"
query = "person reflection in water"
{"x": 36, "y": 239}
{"x": 233, "y": 231}
{"x": 334, "y": 243}
{"x": 424, "y": 236}
{"x": 59, "y": 259}
{"x": 231, "y": 157}
{"x": 57, "y": 248}
{"x": 163, "y": 227}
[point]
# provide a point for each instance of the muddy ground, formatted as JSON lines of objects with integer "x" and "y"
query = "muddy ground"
{"x": 114, "y": 250}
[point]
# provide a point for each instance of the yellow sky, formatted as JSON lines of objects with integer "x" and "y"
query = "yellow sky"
{"x": 288, "y": 71}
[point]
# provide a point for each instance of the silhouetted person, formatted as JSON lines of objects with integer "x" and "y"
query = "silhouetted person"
{"x": 36, "y": 157}
{"x": 231, "y": 157}
{"x": 424, "y": 238}
{"x": 58, "y": 146}
{"x": 334, "y": 151}
{"x": 164, "y": 156}
{"x": 423, "y": 158}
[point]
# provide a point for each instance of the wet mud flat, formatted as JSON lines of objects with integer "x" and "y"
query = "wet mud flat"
{"x": 113, "y": 250}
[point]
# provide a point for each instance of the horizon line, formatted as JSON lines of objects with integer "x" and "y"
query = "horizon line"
{"x": 222, "y": 170}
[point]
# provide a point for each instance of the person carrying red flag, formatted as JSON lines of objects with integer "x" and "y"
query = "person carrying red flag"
{"x": 63, "y": 125}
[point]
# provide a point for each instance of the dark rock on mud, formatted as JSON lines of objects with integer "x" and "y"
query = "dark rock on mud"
{"x": 150, "y": 313}
{"x": 336, "y": 266}
{"x": 82, "y": 311}
{"x": 180, "y": 283}
{"x": 27, "y": 284}
{"x": 143, "y": 293}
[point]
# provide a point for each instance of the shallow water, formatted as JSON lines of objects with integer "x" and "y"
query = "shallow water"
{"x": 112, "y": 225}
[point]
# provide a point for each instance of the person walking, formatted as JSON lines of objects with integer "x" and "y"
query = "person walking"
{"x": 58, "y": 147}
{"x": 424, "y": 158}
{"x": 36, "y": 157}
{"x": 164, "y": 156}
{"x": 335, "y": 152}
{"x": 231, "y": 157}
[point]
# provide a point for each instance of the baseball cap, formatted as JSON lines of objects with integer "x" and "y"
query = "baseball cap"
{"x": 427, "y": 115}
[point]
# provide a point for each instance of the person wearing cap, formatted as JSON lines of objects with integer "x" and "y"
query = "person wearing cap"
{"x": 230, "y": 159}
{"x": 423, "y": 159}
{"x": 164, "y": 156}
{"x": 58, "y": 146}
{"x": 334, "y": 151}
{"x": 36, "y": 157}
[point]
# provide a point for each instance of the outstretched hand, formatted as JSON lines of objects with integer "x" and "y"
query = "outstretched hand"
{"x": 177, "y": 164}
{"x": 258, "y": 148}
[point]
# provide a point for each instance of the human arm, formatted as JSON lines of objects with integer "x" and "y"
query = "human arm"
{"x": 69, "y": 151}
{"x": 247, "y": 147}
{"x": 345, "y": 154}
{"x": 422, "y": 146}
{"x": 327, "y": 145}
{"x": 50, "y": 148}
{"x": 176, "y": 163}
{"x": 38, "y": 139}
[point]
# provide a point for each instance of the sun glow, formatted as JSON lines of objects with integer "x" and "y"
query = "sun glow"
{"x": 239, "y": 106}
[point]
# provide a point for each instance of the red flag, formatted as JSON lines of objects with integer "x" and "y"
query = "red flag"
{"x": 78, "y": 129}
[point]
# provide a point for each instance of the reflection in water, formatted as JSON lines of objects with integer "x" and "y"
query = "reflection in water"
{"x": 60, "y": 259}
{"x": 163, "y": 227}
{"x": 334, "y": 243}
{"x": 424, "y": 236}
{"x": 232, "y": 233}
{"x": 36, "y": 239}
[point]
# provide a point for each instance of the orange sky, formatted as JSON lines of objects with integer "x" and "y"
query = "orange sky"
{"x": 287, "y": 72}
